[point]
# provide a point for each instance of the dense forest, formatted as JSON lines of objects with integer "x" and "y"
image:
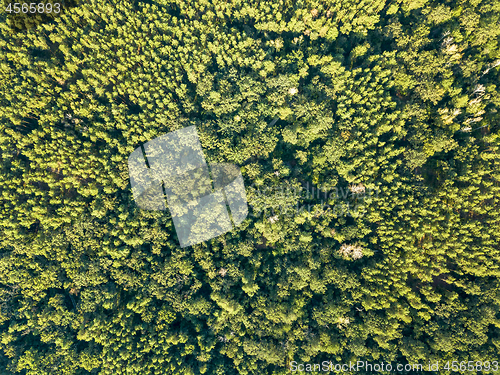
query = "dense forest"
{"x": 368, "y": 137}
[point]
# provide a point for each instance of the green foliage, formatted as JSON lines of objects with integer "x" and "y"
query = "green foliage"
{"x": 399, "y": 98}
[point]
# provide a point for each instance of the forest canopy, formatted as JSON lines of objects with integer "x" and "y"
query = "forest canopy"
{"x": 368, "y": 137}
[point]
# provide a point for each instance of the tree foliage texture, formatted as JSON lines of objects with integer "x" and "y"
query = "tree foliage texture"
{"x": 399, "y": 97}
